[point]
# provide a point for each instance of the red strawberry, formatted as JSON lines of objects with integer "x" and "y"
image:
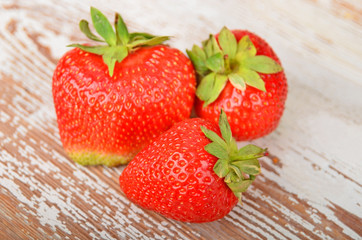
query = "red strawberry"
{"x": 112, "y": 100}
{"x": 240, "y": 73}
{"x": 185, "y": 176}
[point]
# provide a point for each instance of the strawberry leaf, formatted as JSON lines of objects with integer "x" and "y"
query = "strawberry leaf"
{"x": 140, "y": 35}
{"x": 251, "y": 150}
{"x": 120, "y": 42}
{"x": 238, "y": 167}
{"x": 239, "y": 187}
{"x": 246, "y": 47}
{"x": 113, "y": 55}
{"x": 84, "y": 27}
{"x": 233, "y": 147}
{"x": 239, "y": 195}
{"x": 110, "y": 60}
{"x": 211, "y": 47}
{"x": 215, "y": 63}
{"x": 252, "y": 78}
{"x": 231, "y": 177}
{"x": 262, "y": 64}
{"x": 121, "y": 30}
{"x": 236, "y": 170}
{"x": 219, "y": 84}
{"x": 198, "y": 58}
{"x": 148, "y": 42}
{"x": 205, "y": 86}
{"x": 250, "y": 166}
{"x": 215, "y": 46}
{"x": 236, "y": 60}
{"x": 237, "y": 81}
{"x": 217, "y": 150}
{"x": 228, "y": 42}
{"x": 225, "y": 128}
{"x": 221, "y": 168}
{"x": 199, "y": 52}
{"x": 213, "y": 137}
{"x": 207, "y": 46}
{"x": 120, "y": 53}
{"x": 103, "y": 26}
{"x": 99, "y": 50}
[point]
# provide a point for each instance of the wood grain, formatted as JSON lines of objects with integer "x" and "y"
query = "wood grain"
{"x": 310, "y": 187}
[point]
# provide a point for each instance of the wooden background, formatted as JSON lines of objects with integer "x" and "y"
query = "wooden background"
{"x": 310, "y": 187}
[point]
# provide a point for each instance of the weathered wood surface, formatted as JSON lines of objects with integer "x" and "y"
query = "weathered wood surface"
{"x": 310, "y": 187}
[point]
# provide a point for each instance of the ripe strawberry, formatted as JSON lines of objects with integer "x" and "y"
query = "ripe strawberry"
{"x": 239, "y": 72}
{"x": 112, "y": 100}
{"x": 185, "y": 176}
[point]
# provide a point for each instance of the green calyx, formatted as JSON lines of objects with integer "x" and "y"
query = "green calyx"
{"x": 119, "y": 42}
{"x": 238, "y": 167}
{"x": 216, "y": 63}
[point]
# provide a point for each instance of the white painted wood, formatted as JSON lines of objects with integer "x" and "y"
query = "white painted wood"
{"x": 311, "y": 185}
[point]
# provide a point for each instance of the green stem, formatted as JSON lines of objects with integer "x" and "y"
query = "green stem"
{"x": 227, "y": 64}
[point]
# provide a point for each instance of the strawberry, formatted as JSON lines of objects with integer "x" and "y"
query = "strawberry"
{"x": 239, "y": 72}
{"x": 112, "y": 100}
{"x": 190, "y": 173}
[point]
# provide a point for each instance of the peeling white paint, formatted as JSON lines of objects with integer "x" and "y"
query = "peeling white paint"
{"x": 49, "y": 216}
{"x": 4, "y": 117}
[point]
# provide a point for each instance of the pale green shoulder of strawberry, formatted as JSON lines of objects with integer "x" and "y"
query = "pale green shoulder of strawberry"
{"x": 86, "y": 158}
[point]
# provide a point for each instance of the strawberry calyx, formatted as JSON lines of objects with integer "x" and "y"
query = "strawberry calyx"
{"x": 216, "y": 62}
{"x": 119, "y": 42}
{"x": 238, "y": 167}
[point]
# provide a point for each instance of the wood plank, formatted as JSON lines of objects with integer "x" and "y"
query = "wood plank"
{"x": 310, "y": 187}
